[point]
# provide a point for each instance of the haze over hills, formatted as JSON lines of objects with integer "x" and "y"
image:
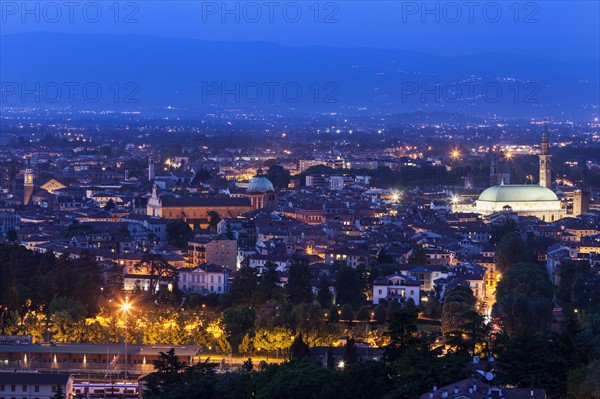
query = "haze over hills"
{"x": 145, "y": 72}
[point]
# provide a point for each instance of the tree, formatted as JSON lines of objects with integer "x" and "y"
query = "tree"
{"x": 403, "y": 333}
{"x": 347, "y": 286}
{"x": 586, "y": 290}
{"x": 298, "y": 287}
{"x": 11, "y": 235}
{"x": 59, "y": 394}
{"x": 110, "y": 205}
{"x": 347, "y": 313}
{"x": 248, "y": 365}
{"x": 297, "y": 380}
{"x": 380, "y": 314}
{"x": 178, "y": 233}
{"x": 540, "y": 360}
{"x": 511, "y": 250}
{"x": 238, "y": 322}
{"x": 167, "y": 375}
{"x": 392, "y": 308}
{"x": 330, "y": 358}
{"x": 476, "y": 331}
{"x": 324, "y": 296}
{"x": 457, "y": 303}
{"x": 268, "y": 282}
{"x": 247, "y": 345}
{"x": 213, "y": 220}
{"x": 279, "y": 176}
{"x": 308, "y": 321}
{"x": 417, "y": 256}
{"x": 584, "y": 381}
{"x": 367, "y": 379}
{"x": 524, "y": 300}
{"x": 384, "y": 257}
{"x": 569, "y": 273}
{"x": 299, "y": 349}
{"x": 333, "y": 315}
{"x": 350, "y": 352}
{"x": 156, "y": 267}
{"x": 244, "y": 286}
{"x": 276, "y": 338}
{"x": 229, "y": 232}
{"x": 519, "y": 314}
{"x": 499, "y": 230}
{"x": 363, "y": 314}
{"x": 431, "y": 307}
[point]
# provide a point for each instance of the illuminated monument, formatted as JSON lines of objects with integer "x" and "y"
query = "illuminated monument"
{"x": 523, "y": 199}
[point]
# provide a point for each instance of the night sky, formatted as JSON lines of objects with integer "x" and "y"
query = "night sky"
{"x": 561, "y": 30}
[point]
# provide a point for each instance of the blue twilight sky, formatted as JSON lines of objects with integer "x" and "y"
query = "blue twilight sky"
{"x": 555, "y": 29}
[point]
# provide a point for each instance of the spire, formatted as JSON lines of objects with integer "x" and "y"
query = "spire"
{"x": 546, "y": 134}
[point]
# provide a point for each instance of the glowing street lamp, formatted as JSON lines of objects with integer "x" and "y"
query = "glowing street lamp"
{"x": 125, "y": 308}
{"x": 455, "y": 154}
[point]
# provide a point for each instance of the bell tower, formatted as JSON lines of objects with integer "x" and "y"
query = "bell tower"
{"x": 546, "y": 161}
{"x": 151, "y": 168}
{"x": 27, "y": 184}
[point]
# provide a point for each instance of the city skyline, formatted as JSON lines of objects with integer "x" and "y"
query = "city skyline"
{"x": 299, "y": 200}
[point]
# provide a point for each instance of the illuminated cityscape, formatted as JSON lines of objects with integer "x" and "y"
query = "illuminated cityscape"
{"x": 299, "y": 200}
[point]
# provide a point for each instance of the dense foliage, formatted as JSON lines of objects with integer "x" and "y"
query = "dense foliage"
{"x": 74, "y": 300}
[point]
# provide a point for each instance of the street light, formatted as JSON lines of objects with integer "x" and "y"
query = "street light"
{"x": 455, "y": 154}
{"x": 125, "y": 308}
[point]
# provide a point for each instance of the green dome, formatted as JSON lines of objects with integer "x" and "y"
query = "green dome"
{"x": 260, "y": 183}
{"x": 517, "y": 193}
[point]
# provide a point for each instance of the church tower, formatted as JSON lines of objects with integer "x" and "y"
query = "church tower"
{"x": 493, "y": 169}
{"x": 150, "y": 168}
{"x": 546, "y": 161}
{"x": 27, "y": 184}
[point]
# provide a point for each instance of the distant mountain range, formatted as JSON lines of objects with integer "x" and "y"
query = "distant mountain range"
{"x": 146, "y": 72}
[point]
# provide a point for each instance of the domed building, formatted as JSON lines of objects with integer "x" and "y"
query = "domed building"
{"x": 262, "y": 192}
{"x": 524, "y": 199}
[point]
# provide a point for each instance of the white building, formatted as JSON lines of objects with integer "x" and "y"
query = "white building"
{"x": 396, "y": 287}
{"x": 206, "y": 278}
{"x": 18, "y": 384}
{"x": 524, "y": 200}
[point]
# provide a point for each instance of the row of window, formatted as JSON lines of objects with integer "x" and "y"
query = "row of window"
{"x": 212, "y": 288}
{"x": 200, "y": 278}
{"x": 2, "y": 397}
{"x": 13, "y": 388}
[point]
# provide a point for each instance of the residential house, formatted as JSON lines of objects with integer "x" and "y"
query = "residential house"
{"x": 396, "y": 287}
